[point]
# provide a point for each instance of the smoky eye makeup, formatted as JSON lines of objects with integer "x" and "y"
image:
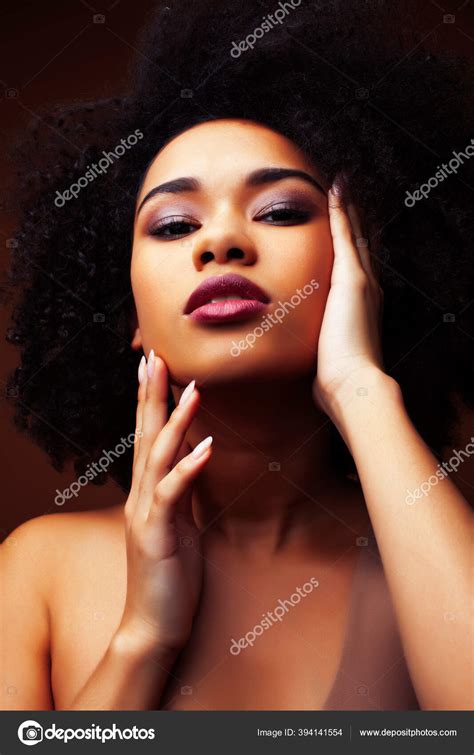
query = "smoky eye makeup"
{"x": 290, "y": 204}
{"x": 279, "y": 207}
{"x": 172, "y": 226}
{"x": 163, "y": 214}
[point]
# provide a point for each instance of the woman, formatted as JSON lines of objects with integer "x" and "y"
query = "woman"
{"x": 255, "y": 270}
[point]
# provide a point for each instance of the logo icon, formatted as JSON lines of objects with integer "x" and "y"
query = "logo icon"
{"x": 30, "y": 732}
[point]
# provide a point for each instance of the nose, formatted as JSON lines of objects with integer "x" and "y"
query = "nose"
{"x": 223, "y": 245}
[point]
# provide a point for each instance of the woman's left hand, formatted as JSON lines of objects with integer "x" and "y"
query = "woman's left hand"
{"x": 349, "y": 347}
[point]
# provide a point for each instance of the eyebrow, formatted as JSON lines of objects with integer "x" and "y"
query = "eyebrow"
{"x": 256, "y": 178}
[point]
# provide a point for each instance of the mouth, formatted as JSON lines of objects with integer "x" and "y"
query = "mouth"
{"x": 226, "y": 298}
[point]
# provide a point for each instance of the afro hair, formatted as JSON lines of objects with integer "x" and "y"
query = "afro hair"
{"x": 352, "y": 84}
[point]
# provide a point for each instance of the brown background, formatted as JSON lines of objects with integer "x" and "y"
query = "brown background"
{"x": 54, "y": 52}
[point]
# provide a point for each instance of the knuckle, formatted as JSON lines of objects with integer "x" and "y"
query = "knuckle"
{"x": 181, "y": 470}
{"x": 153, "y": 457}
{"x": 155, "y": 460}
{"x": 161, "y": 496}
{"x": 157, "y": 494}
{"x": 154, "y": 452}
{"x": 128, "y": 512}
{"x": 142, "y": 545}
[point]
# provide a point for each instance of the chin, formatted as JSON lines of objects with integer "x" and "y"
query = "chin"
{"x": 214, "y": 365}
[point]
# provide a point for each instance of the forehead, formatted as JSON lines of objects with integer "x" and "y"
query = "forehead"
{"x": 224, "y": 147}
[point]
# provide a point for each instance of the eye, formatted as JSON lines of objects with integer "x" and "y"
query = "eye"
{"x": 285, "y": 214}
{"x": 173, "y": 227}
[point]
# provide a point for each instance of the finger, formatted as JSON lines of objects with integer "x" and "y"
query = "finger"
{"x": 361, "y": 242}
{"x": 346, "y": 256}
{"x": 184, "y": 507}
{"x": 174, "y": 486}
{"x": 168, "y": 443}
{"x": 155, "y": 408}
{"x": 139, "y": 413}
{"x": 162, "y": 455}
{"x": 183, "y": 451}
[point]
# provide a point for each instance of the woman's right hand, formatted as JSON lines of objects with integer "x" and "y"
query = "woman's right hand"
{"x": 164, "y": 565}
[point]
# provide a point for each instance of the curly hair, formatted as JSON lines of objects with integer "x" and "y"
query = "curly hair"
{"x": 354, "y": 86}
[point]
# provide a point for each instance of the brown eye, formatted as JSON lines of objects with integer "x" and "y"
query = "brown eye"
{"x": 172, "y": 228}
{"x": 285, "y": 214}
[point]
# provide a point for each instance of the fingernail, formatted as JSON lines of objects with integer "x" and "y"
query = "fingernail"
{"x": 151, "y": 363}
{"x": 336, "y": 188}
{"x": 202, "y": 447}
{"x": 141, "y": 369}
{"x": 186, "y": 393}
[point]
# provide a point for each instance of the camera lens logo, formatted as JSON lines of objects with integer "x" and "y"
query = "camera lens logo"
{"x": 30, "y": 732}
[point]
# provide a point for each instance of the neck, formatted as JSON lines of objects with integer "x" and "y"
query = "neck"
{"x": 271, "y": 463}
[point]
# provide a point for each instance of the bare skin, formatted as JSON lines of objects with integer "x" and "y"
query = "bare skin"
{"x": 82, "y": 587}
{"x": 138, "y": 602}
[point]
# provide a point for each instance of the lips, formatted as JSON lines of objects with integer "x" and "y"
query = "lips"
{"x": 237, "y": 299}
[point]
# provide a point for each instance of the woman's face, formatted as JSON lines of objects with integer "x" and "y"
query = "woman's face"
{"x": 238, "y": 212}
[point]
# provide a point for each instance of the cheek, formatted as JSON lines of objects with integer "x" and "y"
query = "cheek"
{"x": 151, "y": 291}
{"x": 306, "y": 287}
{"x": 318, "y": 253}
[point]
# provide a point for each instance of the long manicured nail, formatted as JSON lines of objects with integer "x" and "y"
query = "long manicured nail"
{"x": 186, "y": 393}
{"x": 151, "y": 363}
{"x": 202, "y": 447}
{"x": 141, "y": 369}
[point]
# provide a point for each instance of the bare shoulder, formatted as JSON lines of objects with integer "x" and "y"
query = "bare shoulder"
{"x": 42, "y": 540}
{"x": 40, "y": 553}
{"x": 39, "y": 560}
{"x": 86, "y": 544}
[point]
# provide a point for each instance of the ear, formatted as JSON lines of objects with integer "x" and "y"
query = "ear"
{"x": 136, "y": 342}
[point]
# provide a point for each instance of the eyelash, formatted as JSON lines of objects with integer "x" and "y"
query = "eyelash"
{"x": 296, "y": 213}
{"x": 159, "y": 228}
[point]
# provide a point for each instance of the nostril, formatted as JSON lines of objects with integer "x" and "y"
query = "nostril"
{"x": 234, "y": 253}
{"x": 207, "y": 256}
